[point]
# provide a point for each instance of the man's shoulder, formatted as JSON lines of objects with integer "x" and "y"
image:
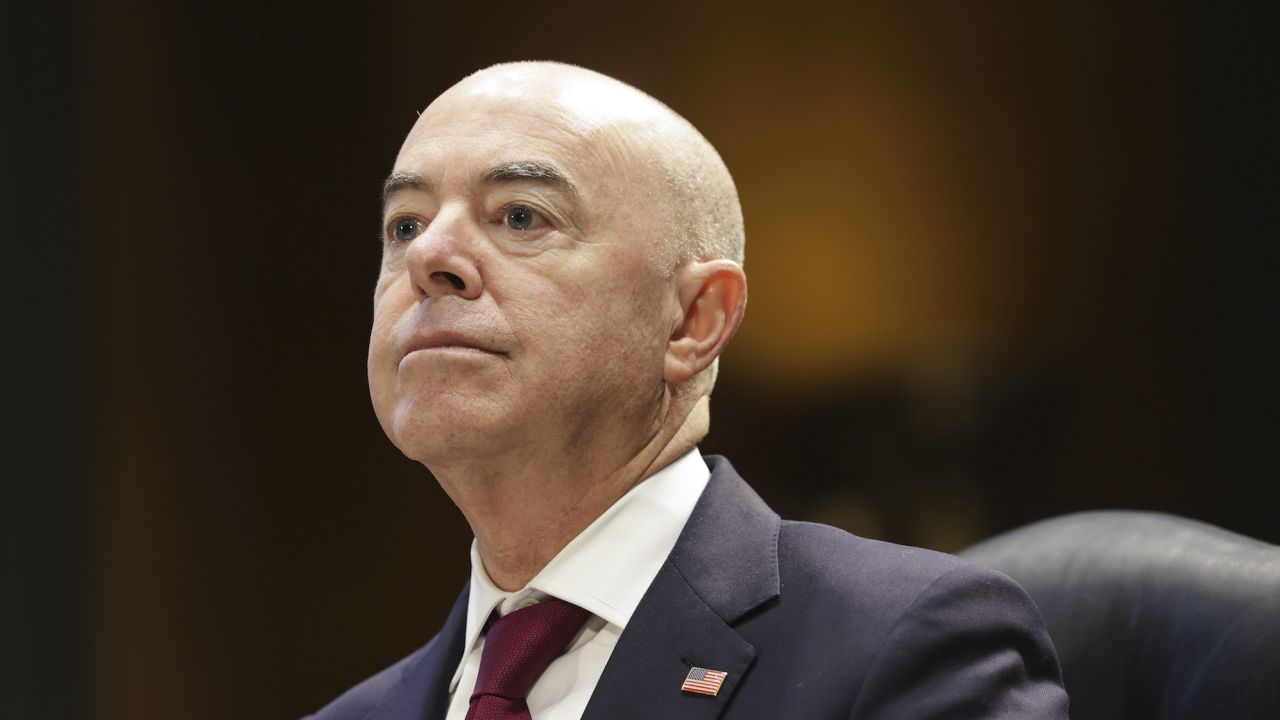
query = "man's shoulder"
{"x": 834, "y": 558}
{"x": 825, "y": 569}
{"x": 913, "y": 630}
{"x": 879, "y": 582}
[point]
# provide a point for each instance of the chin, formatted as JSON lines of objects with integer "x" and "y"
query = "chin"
{"x": 441, "y": 433}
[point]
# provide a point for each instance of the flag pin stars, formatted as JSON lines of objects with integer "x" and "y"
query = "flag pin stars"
{"x": 703, "y": 681}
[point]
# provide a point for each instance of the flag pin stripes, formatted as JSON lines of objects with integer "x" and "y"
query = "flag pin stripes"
{"x": 703, "y": 681}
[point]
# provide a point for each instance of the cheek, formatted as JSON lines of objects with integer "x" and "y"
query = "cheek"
{"x": 608, "y": 329}
{"x": 381, "y": 360}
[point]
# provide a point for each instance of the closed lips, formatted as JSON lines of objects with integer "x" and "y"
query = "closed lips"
{"x": 443, "y": 340}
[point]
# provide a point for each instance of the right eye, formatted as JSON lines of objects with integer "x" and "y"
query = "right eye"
{"x": 405, "y": 229}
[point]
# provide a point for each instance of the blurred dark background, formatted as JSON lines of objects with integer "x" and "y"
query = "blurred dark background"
{"x": 1006, "y": 262}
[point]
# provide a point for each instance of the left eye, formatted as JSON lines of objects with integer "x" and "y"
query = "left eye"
{"x": 520, "y": 217}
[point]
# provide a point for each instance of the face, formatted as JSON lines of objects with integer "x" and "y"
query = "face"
{"x": 517, "y": 310}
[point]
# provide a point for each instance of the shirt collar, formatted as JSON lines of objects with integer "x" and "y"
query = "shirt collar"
{"x": 608, "y": 567}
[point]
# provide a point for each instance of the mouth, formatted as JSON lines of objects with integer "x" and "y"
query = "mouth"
{"x": 446, "y": 342}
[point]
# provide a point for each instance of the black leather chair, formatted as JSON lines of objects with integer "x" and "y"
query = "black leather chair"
{"x": 1154, "y": 616}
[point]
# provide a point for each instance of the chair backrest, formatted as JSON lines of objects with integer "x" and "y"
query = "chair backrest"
{"x": 1154, "y": 616}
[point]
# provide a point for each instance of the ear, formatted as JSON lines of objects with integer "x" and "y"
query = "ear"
{"x": 713, "y": 297}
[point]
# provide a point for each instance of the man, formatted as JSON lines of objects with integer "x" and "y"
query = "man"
{"x": 561, "y": 271}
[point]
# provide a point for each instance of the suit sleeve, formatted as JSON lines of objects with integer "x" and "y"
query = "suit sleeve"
{"x": 972, "y": 645}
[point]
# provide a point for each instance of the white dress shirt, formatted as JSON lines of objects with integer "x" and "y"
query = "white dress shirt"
{"x": 605, "y": 570}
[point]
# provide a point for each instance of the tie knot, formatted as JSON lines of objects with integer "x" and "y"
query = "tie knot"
{"x": 520, "y": 645}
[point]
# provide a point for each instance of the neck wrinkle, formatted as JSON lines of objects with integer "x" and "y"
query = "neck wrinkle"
{"x": 522, "y": 523}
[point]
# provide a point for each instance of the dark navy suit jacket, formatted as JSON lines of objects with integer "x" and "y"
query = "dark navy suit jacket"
{"x": 809, "y": 622}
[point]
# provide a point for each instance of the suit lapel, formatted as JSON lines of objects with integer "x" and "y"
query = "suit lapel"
{"x": 423, "y": 690}
{"x": 724, "y": 565}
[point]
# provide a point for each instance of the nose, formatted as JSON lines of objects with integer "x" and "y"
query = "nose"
{"x": 442, "y": 260}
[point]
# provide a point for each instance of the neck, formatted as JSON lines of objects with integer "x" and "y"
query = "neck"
{"x": 523, "y": 513}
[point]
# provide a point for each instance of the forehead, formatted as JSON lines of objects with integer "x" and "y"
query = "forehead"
{"x": 587, "y": 127}
{"x": 466, "y": 135}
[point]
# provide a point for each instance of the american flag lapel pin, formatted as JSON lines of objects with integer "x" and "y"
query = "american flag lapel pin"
{"x": 703, "y": 681}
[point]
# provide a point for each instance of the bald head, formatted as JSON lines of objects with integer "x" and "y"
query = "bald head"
{"x": 655, "y": 155}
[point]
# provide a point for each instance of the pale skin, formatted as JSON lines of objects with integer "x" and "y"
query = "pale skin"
{"x": 530, "y": 345}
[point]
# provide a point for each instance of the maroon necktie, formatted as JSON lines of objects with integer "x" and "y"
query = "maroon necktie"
{"x": 517, "y": 649}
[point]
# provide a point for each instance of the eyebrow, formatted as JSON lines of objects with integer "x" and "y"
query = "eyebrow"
{"x": 509, "y": 172}
{"x": 529, "y": 171}
{"x": 398, "y": 182}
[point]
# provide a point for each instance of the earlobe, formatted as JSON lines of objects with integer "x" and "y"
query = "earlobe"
{"x": 713, "y": 296}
